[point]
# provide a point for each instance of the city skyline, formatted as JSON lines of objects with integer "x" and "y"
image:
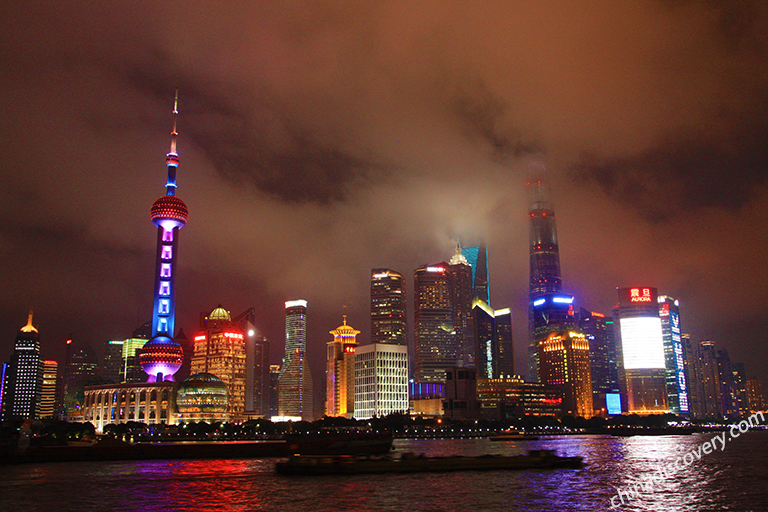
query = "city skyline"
{"x": 280, "y": 165}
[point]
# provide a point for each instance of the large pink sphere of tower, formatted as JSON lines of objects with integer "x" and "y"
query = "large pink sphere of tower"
{"x": 161, "y": 358}
{"x": 169, "y": 212}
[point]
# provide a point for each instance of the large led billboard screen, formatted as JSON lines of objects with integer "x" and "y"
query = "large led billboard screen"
{"x": 642, "y": 343}
{"x": 613, "y": 403}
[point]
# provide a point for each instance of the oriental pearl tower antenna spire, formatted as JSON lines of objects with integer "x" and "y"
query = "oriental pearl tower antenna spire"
{"x": 161, "y": 357}
{"x": 172, "y": 159}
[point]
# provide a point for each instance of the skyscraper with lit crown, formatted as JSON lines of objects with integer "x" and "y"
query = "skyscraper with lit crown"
{"x": 294, "y": 388}
{"x": 461, "y": 287}
{"x": 435, "y": 345}
{"x": 340, "y": 371}
{"x": 219, "y": 349}
{"x": 25, "y": 376}
{"x": 161, "y": 357}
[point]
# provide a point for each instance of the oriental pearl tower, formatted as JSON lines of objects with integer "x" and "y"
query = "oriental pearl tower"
{"x": 161, "y": 356}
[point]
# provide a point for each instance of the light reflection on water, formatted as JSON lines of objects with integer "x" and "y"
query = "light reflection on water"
{"x": 733, "y": 479}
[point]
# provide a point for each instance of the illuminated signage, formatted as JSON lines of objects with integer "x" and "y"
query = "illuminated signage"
{"x": 233, "y": 335}
{"x": 296, "y": 303}
{"x": 381, "y": 276}
{"x": 539, "y": 302}
{"x": 349, "y": 349}
{"x": 563, "y": 300}
{"x": 642, "y": 343}
{"x": 551, "y": 400}
{"x": 613, "y": 403}
{"x": 200, "y": 338}
{"x": 640, "y": 295}
{"x": 435, "y": 269}
{"x": 598, "y": 315}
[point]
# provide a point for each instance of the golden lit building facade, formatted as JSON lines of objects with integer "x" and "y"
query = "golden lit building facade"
{"x": 144, "y": 402}
{"x": 564, "y": 361}
{"x": 219, "y": 349}
{"x": 340, "y": 371}
{"x": 49, "y": 390}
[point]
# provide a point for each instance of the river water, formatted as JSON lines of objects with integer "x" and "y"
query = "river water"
{"x": 733, "y": 479}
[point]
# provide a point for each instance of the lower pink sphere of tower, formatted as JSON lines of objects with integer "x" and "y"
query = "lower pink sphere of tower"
{"x": 161, "y": 358}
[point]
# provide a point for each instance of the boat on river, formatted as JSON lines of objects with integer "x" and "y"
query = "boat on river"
{"x": 514, "y": 436}
{"x": 310, "y": 465}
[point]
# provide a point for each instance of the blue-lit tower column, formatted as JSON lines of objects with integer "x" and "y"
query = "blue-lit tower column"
{"x": 161, "y": 357}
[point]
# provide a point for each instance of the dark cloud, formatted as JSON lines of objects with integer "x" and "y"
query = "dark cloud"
{"x": 485, "y": 115}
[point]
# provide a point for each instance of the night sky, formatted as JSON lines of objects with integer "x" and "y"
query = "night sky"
{"x": 319, "y": 140}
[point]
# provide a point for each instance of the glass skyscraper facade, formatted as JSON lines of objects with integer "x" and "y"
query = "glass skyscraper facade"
{"x": 435, "y": 345}
{"x": 388, "y": 307}
{"x": 478, "y": 260}
{"x": 677, "y": 385}
{"x": 295, "y": 389}
{"x": 545, "y": 307}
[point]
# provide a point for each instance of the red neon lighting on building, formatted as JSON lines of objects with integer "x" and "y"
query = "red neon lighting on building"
{"x": 636, "y": 296}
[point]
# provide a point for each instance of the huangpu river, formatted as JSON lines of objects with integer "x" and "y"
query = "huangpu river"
{"x": 734, "y": 478}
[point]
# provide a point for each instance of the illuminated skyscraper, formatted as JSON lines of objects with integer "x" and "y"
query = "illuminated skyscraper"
{"x": 494, "y": 357}
{"x": 49, "y": 390}
{"x": 544, "y": 249}
{"x": 220, "y": 351}
{"x": 548, "y": 313}
{"x": 388, "y": 307}
{"x": 548, "y": 308}
{"x": 729, "y": 401}
{"x": 642, "y": 348}
{"x": 24, "y": 382}
{"x": 295, "y": 330}
{"x": 161, "y": 357}
{"x": 740, "y": 388}
{"x": 503, "y": 319}
{"x": 256, "y": 368}
{"x": 113, "y": 360}
{"x": 295, "y": 387}
{"x": 478, "y": 259}
{"x": 594, "y": 327}
{"x": 564, "y": 361}
{"x": 381, "y": 380}
{"x": 462, "y": 295}
{"x": 340, "y": 371}
{"x": 755, "y": 395}
{"x": 692, "y": 355}
{"x": 435, "y": 345}
{"x": 677, "y": 385}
